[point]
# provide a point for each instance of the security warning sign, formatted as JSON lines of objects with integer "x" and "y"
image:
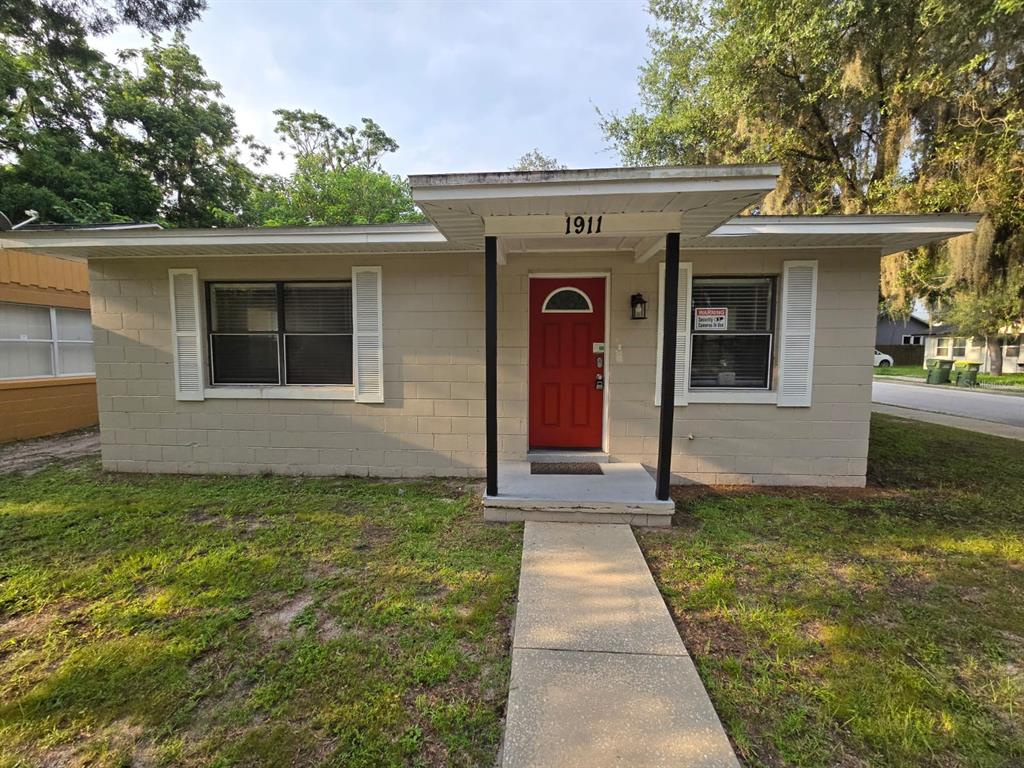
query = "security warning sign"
{"x": 711, "y": 319}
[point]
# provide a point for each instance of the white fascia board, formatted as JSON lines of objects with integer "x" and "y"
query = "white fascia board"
{"x": 454, "y": 195}
{"x": 581, "y": 175}
{"x": 221, "y": 237}
{"x": 867, "y": 225}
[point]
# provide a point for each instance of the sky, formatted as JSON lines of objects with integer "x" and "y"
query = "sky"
{"x": 461, "y": 86}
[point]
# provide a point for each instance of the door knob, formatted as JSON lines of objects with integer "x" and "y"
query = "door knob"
{"x": 599, "y": 382}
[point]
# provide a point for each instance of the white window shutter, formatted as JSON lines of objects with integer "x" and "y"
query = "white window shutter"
{"x": 186, "y": 334}
{"x": 682, "y": 333}
{"x": 796, "y": 332}
{"x": 368, "y": 336}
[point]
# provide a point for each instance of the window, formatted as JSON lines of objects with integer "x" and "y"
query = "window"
{"x": 567, "y": 300}
{"x": 942, "y": 346}
{"x": 44, "y": 341}
{"x": 913, "y": 340}
{"x": 732, "y": 322}
{"x": 959, "y": 347}
{"x": 1012, "y": 347}
{"x": 281, "y": 333}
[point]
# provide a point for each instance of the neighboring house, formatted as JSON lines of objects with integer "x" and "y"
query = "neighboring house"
{"x": 531, "y": 312}
{"x": 906, "y": 332}
{"x": 946, "y": 344}
{"x": 47, "y": 379}
{"x": 902, "y": 339}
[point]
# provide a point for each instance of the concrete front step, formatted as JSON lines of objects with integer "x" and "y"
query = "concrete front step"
{"x": 623, "y": 493}
{"x": 524, "y": 512}
{"x": 548, "y": 456}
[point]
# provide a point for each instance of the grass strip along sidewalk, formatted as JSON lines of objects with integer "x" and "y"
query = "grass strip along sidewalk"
{"x": 880, "y": 627}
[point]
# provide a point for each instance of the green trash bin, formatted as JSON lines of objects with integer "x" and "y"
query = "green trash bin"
{"x": 938, "y": 371}
{"x": 967, "y": 375}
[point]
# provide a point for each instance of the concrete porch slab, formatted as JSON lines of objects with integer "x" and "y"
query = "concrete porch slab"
{"x": 624, "y": 493}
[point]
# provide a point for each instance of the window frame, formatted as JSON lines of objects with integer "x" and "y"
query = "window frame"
{"x": 572, "y": 289}
{"x": 1014, "y": 343}
{"x": 54, "y": 341}
{"x": 773, "y": 320}
{"x": 912, "y": 343}
{"x": 280, "y": 334}
{"x": 963, "y": 347}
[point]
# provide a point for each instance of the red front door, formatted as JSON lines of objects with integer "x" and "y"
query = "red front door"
{"x": 566, "y": 398}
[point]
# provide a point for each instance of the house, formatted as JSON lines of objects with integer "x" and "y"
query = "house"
{"x": 627, "y": 314}
{"x": 902, "y": 339}
{"x": 47, "y": 378}
{"x": 910, "y": 331}
{"x": 946, "y": 343}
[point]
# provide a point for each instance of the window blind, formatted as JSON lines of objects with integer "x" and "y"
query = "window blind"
{"x": 281, "y": 333}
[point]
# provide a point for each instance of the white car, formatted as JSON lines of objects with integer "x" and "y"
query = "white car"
{"x": 882, "y": 360}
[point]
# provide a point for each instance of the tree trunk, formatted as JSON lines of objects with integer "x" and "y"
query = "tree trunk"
{"x": 995, "y": 355}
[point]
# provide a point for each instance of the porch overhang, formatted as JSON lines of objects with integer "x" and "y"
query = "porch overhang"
{"x": 602, "y": 209}
{"x": 886, "y": 233}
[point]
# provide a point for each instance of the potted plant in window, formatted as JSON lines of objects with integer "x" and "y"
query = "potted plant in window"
{"x": 726, "y": 376}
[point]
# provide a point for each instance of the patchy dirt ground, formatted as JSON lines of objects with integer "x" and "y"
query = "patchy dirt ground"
{"x": 28, "y": 456}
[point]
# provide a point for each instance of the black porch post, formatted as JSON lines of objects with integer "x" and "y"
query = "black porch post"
{"x": 668, "y": 365}
{"x": 491, "y": 361}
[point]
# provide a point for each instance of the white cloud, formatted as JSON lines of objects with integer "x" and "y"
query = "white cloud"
{"x": 461, "y": 86}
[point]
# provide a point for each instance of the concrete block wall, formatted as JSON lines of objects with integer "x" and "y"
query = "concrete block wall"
{"x": 732, "y": 444}
{"x": 432, "y": 420}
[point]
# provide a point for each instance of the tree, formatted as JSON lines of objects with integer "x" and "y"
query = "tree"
{"x": 98, "y": 17}
{"x": 337, "y": 178}
{"x": 535, "y": 160}
{"x": 53, "y": 146}
{"x": 170, "y": 120}
{"x": 314, "y": 138}
{"x": 63, "y": 180}
{"x": 903, "y": 106}
{"x": 314, "y": 195}
{"x": 990, "y": 314}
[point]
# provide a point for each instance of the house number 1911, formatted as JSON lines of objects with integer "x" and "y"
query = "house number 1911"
{"x": 582, "y": 225}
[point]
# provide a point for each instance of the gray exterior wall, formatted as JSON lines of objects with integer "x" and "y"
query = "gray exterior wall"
{"x": 891, "y": 332}
{"x": 432, "y": 420}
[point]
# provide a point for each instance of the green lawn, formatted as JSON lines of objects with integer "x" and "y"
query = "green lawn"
{"x": 250, "y": 621}
{"x": 901, "y": 370}
{"x": 882, "y": 627}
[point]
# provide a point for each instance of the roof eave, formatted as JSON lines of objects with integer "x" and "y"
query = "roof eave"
{"x": 514, "y": 179}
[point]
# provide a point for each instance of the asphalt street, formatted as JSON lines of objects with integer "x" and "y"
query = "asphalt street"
{"x": 1002, "y": 409}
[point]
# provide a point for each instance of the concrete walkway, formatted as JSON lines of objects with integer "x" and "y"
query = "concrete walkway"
{"x": 599, "y": 674}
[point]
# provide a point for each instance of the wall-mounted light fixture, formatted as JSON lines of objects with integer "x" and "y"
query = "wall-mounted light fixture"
{"x": 638, "y": 306}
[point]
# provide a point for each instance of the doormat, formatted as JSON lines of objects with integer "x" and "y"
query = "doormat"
{"x": 565, "y": 468}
